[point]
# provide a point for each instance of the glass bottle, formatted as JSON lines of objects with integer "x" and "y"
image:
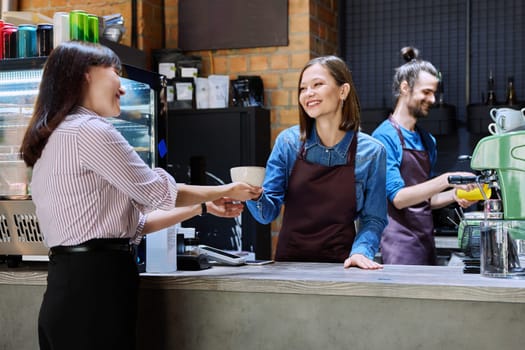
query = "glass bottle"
{"x": 191, "y": 246}
{"x": 511, "y": 93}
{"x": 491, "y": 95}
{"x": 441, "y": 89}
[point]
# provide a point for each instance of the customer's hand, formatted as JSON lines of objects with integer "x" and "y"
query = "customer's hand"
{"x": 242, "y": 192}
{"x": 225, "y": 207}
{"x": 361, "y": 261}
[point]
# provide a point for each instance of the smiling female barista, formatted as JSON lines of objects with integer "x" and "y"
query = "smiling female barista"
{"x": 327, "y": 174}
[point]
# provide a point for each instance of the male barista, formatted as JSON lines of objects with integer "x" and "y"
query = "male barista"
{"x": 411, "y": 154}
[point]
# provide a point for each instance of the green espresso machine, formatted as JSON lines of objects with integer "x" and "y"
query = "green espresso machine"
{"x": 502, "y": 240}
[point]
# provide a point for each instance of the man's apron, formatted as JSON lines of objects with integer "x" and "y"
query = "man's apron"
{"x": 408, "y": 238}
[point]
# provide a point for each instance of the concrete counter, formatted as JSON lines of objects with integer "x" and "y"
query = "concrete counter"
{"x": 323, "y": 306}
{"x": 301, "y": 306}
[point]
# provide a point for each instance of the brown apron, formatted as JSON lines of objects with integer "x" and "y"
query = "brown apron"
{"x": 320, "y": 208}
{"x": 408, "y": 238}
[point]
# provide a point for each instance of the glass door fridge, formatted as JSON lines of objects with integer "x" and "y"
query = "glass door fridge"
{"x": 143, "y": 114}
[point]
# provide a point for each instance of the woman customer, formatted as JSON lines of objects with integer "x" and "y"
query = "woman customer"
{"x": 92, "y": 194}
{"x": 327, "y": 174}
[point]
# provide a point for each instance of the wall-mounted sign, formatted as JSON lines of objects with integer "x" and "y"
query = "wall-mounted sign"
{"x": 232, "y": 24}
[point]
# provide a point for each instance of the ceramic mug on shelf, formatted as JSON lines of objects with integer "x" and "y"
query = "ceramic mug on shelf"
{"x": 494, "y": 129}
{"x": 506, "y": 119}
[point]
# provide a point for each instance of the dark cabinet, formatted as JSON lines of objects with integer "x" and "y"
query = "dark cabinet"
{"x": 441, "y": 120}
{"x": 202, "y": 146}
{"x": 371, "y": 118}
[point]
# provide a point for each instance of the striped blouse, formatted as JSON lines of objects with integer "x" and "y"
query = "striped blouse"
{"x": 90, "y": 183}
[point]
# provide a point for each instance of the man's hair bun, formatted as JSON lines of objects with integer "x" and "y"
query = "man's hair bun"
{"x": 409, "y": 53}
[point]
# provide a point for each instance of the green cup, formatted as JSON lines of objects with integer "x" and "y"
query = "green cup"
{"x": 92, "y": 29}
{"x": 78, "y": 24}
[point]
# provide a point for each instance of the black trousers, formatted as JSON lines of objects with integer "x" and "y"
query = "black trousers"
{"x": 90, "y": 302}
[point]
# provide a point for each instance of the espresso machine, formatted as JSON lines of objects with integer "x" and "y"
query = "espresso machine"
{"x": 500, "y": 158}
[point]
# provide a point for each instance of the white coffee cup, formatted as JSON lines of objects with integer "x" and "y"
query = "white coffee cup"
{"x": 507, "y": 119}
{"x": 494, "y": 129}
{"x": 252, "y": 175}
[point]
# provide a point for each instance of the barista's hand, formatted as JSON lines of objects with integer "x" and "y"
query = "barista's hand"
{"x": 361, "y": 261}
{"x": 242, "y": 192}
{"x": 225, "y": 207}
{"x": 463, "y": 203}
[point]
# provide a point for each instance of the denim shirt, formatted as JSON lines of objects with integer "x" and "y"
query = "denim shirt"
{"x": 370, "y": 177}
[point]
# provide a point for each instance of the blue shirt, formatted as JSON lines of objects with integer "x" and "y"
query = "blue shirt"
{"x": 386, "y": 133}
{"x": 370, "y": 177}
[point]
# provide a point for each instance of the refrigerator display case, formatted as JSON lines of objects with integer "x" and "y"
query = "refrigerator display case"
{"x": 143, "y": 111}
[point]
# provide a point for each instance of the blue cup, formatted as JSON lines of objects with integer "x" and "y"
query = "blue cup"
{"x": 26, "y": 41}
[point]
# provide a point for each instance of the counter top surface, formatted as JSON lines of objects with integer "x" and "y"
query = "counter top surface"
{"x": 399, "y": 281}
{"x": 428, "y": 282}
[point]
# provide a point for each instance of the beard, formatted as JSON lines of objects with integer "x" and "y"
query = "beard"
{"x": 418, "y": 111}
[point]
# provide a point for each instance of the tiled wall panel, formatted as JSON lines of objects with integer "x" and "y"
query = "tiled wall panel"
{"x": 375, "y": 31}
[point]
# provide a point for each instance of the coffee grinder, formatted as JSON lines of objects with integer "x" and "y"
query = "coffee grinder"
{"x": 501, "y": 160}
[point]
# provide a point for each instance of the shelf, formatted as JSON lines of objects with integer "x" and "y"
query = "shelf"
{"x": 478, "y": 116}
{"x": 22, "y": 63}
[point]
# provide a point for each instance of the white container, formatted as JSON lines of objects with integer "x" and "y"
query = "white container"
{"x": 167, "y": 69}
{"x": 161, "y": 251}
{"x": 189, "y": 72}
{"x": 218, "y": 91}
{"x": 201, "y": 93}
{"x": 188, "y": 232}
{"x": 60, "y": 28}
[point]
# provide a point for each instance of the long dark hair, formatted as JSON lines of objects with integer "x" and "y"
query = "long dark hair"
{"x": 351, "y": 107}
{"x": 61, "y": 90}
